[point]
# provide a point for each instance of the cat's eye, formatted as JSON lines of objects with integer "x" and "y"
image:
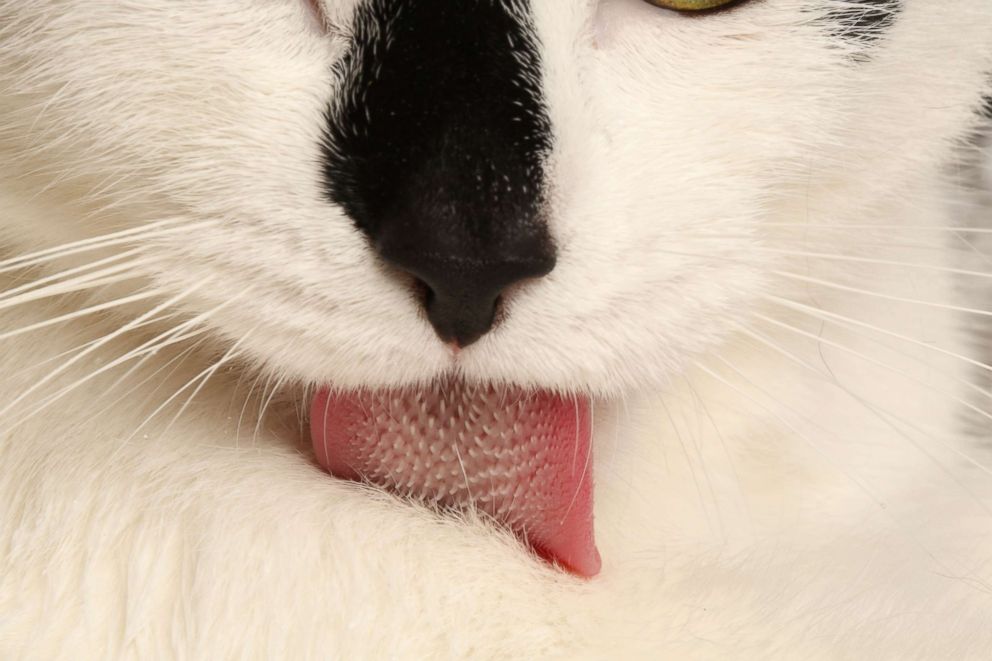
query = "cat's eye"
{"x": 691, "y": 5}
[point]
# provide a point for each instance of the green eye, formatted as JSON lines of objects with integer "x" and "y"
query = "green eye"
{"x": 691, "y": 5}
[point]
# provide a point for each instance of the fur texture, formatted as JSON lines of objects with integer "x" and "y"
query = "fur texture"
{"x": 765, "y": 275}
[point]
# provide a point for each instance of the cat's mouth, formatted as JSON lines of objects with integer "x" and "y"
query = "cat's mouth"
{"x": 522, "y": 457}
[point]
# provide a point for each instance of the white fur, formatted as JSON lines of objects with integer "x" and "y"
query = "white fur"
{"x": 761, "y": 492}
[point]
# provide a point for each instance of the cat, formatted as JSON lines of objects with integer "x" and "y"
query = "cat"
{"x": 744, "y": 242}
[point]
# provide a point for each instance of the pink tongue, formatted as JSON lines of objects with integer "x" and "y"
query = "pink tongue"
{"x": 522, "y": 457}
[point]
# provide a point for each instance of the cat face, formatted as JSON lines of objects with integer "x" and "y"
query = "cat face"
{"x": 649, "y": 155}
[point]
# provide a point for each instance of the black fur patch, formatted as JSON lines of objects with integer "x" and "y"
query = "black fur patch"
{"x": 865, "y": 21}
{"x": 437, "y": 144}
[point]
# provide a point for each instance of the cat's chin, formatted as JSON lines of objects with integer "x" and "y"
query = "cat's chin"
{"x": 521, "y": 457}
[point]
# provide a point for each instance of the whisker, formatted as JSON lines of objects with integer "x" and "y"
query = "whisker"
{"x": 96, "y": 243}
{"x": 692, "y": 469}
{"x": 726, "y": 450}
{"x": 171, "y": 365}
{"x": 69, "y": 352}
{"x": 854, "y": 479}
{"x": 202, "y": 377}
{"x": 265, "y": 405}
{"x": 972, "y": 247}
{"x": 111, "y": 275}
{"x": 763, "y": 239}
{"x": 868, "y": 336}
{"x": 145, "y": 351}
{"x": 93, "y": 309}
{"x": 874, "y": 408}
{"x": 244, "y": 409}
{"x": 468, "y": 486}
{"x": 103, "y": 341}
{"x": 877, "y": 363}
{"x": 233, "y": 353}
{"x": 79, "y": 285}
{"x": 186, "y": 329}
{"x": 578, "y": 487}
{"x": 788, "y": 425}
{"x": 913, "y": 228}
{"x": 869, "y": 260}
{"x": 113, "y": 261}
{"x": 301, "y": 408}
{"x": 841, "y": 319}
{"x": 874, "y": 294}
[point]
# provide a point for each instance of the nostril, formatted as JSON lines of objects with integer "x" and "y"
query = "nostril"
{"x": 461, "y": 287}
{"x": 461, "y": 321}
{"x": 423, "y": 292}
{"x": 498, "y": 310}
{"x": 448, "y": 317}
{"x": 462, "y": 305}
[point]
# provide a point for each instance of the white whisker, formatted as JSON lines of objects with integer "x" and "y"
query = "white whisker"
{"x": 869, "y": 260}
{"x": 202, "y": 377}
{"x": 854, "y": 479}
{"x": 152, "y": 230}
{"x": 788, "y": 425}
{"x": 723, "y": 444}
{"x": 841, "y": 319}
{"x": 244, "y": 409}
{"x": 874, "y": 294}
{"x": 878, "y": 363}
{"x": 103, "y": 341}
{"x": 876, "y": 409}
{"x": 171, "y": 365}
{"x": 975, "y": 250}
{"x": 82, "y": 312}
{"x": 113, "y": 261}
{"x": 265, "y": 405}
{"x": 70, "y": 352}
{"x": 149, "y": 349}
{"x": 888, "y": 228}
{"x": 692, "y": 469}
{"x": 87, "y": 281}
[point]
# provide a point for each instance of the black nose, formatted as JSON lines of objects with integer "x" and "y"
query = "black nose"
{"x": 464, "y": 282}
{"x": 438, "y": 151}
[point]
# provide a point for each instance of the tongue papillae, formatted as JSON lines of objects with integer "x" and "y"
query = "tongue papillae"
{"x": 523, "y": 457}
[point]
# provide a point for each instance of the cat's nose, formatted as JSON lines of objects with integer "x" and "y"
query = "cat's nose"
{"x": 464, "y": 279}
{"x": 439, "y": 153}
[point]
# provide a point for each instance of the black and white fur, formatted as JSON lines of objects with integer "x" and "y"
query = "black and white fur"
{"x": 763, "y": 273}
